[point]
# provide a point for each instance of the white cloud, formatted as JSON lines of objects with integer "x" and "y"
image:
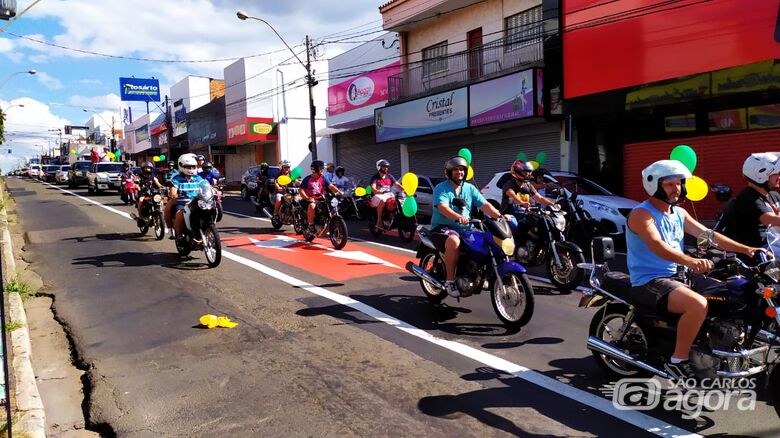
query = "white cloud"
{"x": 27, "y": 128}
{"x": 105, "y": 102}
{"x": 6, "y": 45}
{"x": 95, "y": 82}
{"x": 49, "y": 81}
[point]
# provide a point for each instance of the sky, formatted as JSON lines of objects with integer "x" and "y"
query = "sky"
{"x": 66, "y": 81}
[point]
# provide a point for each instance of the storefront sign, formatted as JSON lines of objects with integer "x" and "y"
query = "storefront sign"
{"x": 681, "y": 123}
{"x": 438, "y": 113}
{"x": 251, "y": 129}
{"x": 223, "y": 150}
{"x": 506, "y": 98}
{"x": 765, "y": 116}
{"x": 361, "y": 91}
{"x": 157, "y": 130}
{"x": 142, "y": 134}
{"x": 728, "y": 120}
{"x": 694, "y": 88}
{"x": 179, "y": 119}
{"x": 141, "y": 90}
{"x": 759, "y": 76}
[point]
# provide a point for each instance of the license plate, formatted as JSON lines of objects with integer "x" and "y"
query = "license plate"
{"x": 102, "y": 186}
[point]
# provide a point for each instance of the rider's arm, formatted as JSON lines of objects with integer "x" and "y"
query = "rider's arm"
{"x": 770, "y": 219}
{"x": 641, "y": 222}
{"x": 449, "y": 213}
{"x": 157, "y": 183}
{"x": 174, "y": 192}
{"x": 695, "y": 228}
{"x": 542, "y": 200}
{"x": 334, "y": 189}
{"x": 514, "y": 198}
{"x": 489, "y": 210}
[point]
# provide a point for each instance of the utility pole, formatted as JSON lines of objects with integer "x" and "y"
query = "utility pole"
{"x": 312, "y": 108}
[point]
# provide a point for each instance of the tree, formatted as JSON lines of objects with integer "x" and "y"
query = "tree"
{"x": 2, "y": 126}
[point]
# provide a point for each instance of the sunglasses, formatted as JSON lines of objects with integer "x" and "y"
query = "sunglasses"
{"x": 188, "y": 167}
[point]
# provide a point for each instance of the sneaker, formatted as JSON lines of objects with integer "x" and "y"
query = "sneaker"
{"x": 452, "y": 289}
{"x": 171, "y": 234}
{"x": 680, "y": 371}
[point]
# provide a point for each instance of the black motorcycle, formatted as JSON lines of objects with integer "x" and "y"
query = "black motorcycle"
{"x": 540, "y": 240}
{"x": 352, "y": 205}
{"x": 326, "y": 220}
{"x": 736, "y": 340}
{"x": 393, "y": 217}
{"x": 220, "y": 190}
{"x": 581, "y": 228}
{"x": 152, "y": 213}
{"x": 290, "y": 212}
{"x": 264, "y": 201}
{"x": 200, "y": 231}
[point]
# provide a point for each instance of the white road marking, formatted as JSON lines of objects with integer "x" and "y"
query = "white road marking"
{"x": 635, "y": 418}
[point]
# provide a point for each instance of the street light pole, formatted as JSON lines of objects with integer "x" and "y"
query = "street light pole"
{"x": 310, "y": 81}
{"x": 29, "y": 72}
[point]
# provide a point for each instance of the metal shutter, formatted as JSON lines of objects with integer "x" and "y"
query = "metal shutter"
{"x": 357, "y": 152}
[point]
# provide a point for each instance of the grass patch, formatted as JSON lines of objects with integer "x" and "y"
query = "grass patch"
{"x": 17, "y": 432}
{"x": 13, "y": 325}
{"x": 18, "y": 286}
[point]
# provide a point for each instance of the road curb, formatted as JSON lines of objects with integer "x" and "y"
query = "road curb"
{"x": 29, "y": 406}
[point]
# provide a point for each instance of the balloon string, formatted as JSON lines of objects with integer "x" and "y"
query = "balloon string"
{"x": 695, "y": 216}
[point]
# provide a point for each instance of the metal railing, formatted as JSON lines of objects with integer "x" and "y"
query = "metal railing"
{"x": 491, "y": 59}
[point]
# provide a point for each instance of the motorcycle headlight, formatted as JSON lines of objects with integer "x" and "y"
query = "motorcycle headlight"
{"x": 205, "y": 204}
{"x": 560, "y": 221}
{"x": 334, "y": 202}
{"x": 157, "y": 198}
{"x": 507, "y": 245}
{"x": 603, "y": 207}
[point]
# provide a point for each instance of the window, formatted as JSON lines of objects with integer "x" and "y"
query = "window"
{"x": 434, "y": 58}
{"x": 523, "y": 29}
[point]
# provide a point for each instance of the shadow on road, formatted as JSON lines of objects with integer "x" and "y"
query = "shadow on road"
{"x": 110, "y": 237}
{"x": 122, "y": 259}
{"x": 532, "y": 341}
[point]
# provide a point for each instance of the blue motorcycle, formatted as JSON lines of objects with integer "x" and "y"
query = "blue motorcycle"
{"x": 485, "y": 255}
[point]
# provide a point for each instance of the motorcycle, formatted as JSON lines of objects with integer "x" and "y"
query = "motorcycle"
{"x": 738, "y": 338}
{"x": 128, "y": 190}
{"x": 352, "y": 205}
{"x": 290, "y": 212}
{"x": 219, "y": 188}
{"x": 200, "y": 232}
{"x": 264, "y": 200}
{"x": 152, "y": 213}
{"x": 581, "y": 228}
{"x": 326, "y": 220}
{"x": 485, "y": 255}
{"x": 393, "y": 217}
{"x": 545, "y": 243}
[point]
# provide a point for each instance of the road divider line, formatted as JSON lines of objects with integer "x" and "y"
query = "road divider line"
{"x": 635, "y": 418}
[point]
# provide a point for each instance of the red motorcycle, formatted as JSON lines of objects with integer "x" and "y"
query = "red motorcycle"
{"x": 128, "y": 190}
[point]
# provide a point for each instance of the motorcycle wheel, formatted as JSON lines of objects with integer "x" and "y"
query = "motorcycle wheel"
{"x": 337, "y": 231}
{"x": 569, "y": 276}
{"x": 244, "y": 193}
{"x": 219, "y": 211}
{"x": 607, "y": 321}
{"x": 182, "y": 247}
{"x": 276, "y": 222}
{"x": 307, "y": 234}
{"x": 298, "y": 225}
{"x": 407, "y": 229}
{"x": 144, "y": 228}
{"x": 212, "y": 246}
{"x": 434, "y": 265}
{"x": 159, "y": 226}
{"x": 515, "y": 304}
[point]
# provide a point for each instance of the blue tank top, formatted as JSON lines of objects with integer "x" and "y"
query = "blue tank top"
{"x": 643, "y": 264}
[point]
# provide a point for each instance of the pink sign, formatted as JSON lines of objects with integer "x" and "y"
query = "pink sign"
{"x": 361, "y": 90}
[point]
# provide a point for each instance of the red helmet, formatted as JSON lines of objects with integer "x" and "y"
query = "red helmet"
{"x": 520, "y": 168}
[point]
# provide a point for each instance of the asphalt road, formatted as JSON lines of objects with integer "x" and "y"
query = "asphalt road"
{"x": 328, "y": 343}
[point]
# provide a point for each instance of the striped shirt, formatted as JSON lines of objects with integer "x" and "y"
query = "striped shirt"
{"x": 187, "y": 188}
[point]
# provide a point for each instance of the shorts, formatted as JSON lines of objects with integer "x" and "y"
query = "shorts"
{"x": 180, "y": 204}
{"x": 278, "y": 196}
{"x": 440, "y": 234}
{"x": 379, "y": 197}
{"x": 653, "y": 296}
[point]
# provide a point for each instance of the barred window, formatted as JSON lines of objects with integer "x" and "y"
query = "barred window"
{"x": 434, "y": 58}
{"x": 523, "y": 29}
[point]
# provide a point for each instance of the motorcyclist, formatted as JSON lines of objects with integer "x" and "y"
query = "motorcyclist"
{"x": 537, "y": 180}
{"x": 747, "y": 216}
{"x": 284, "y": 165}
{"x": 381, "y": 183}
{"x": 201, "y": 160}
{"x": 147, "y": 182}
{"x": 313, "y": 189}
{"x": 186, "y": 186}
{"x": 452, "y": 200}
{"x": 654, "y": 239}
{"x": 517, "y": 194}
{"x": 340, "y": 181}
{"x": 170, "y": 173}
{"x": 329, "y": 171}
{"x": 125, "y": 174}
{"x": 209, "y": 173}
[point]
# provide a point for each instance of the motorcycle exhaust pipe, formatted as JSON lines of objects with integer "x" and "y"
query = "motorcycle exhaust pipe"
{"x": 420, "y": 272}
{"x": 268, "y": 213}
{"x": 599, "y": 346}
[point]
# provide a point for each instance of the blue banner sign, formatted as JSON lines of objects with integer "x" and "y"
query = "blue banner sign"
{"x": 141, "y": 90}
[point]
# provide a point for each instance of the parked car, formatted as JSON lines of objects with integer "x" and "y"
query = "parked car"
{"x": 424, "y": 194}
{"x": 249, "y": 180}
{"x": 603, "y": 205}
{"x": 49, "y": 172}
{"x": 61, "y": 177}
{"x": 77, "y": 175}
{"x": 103, "y": 176}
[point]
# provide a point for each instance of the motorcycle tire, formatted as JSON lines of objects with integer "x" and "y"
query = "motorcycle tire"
{"x": 159, "y": 226}
{"x": 514, "y": 308}
{"x": 298, "y": 223}
{"x": 337, "y": 231}
{"x": 182, "y": 247}
{"x": 219, "y": 212}
{"x": 407, "y": 229}
{"x": 144, "y": 227}
{"x": 600, "y": 327}
{"x": 244, "y": 193}
{"x": 212, "y": 246}
{"x": 433, "y": 264}
{"x": 568, "y": 278}
{"x": 276, "y": 222}
{"x": 307, "y": 234}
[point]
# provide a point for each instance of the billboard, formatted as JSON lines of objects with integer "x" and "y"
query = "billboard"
{"x": 438, "y": 113}
{"x": 609, "y": 45}
{"x": 360, "y": 91}
{"x": 506, "y": 98}
{"x": 251, "y": 129}
{"x": 141, "y": 90}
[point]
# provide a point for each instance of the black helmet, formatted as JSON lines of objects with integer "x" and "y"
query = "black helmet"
{"x": 340, "y": 169}
{"x": 147, "y": 164}
{"x": 453, "y": 163}
{"x": 207, "y": 165}
{"x": 538, "y": 172}
{"x": 201, "y": 158}
{"x": 171, "y": 164}
{"x": 125, "y": 165}
{"x": 317, "y": 165}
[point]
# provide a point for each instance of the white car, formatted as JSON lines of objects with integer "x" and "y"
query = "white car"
{"x": 33, "y": 172}
{"x": 603, "y": 205}
{"x": 61, "y": 177}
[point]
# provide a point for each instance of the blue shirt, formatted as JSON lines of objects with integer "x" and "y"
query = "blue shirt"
{"x": 210, "y": 176}
{"x": 643, "y": 264}
{"x": 187, "y": 189}
{"x": 443, "y": 193}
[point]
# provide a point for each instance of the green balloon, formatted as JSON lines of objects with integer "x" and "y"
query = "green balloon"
{"x": 410, "y": 206}
{"x": 368, "y": 189}
{"x": 684, "y": 154}
{"x": 522, "y": 156}
{"x": 541, "y": 157}
{"x": 162, "y": 157}
{"x": 465, "y": 153}
{"x": 296, "y": 173}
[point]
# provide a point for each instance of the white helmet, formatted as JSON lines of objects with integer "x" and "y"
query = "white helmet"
{"x": 656, "y": 172}
{"x": 381, "y": 163}
{"x": 188, "y": 160}
{"x": 758, "y": 167}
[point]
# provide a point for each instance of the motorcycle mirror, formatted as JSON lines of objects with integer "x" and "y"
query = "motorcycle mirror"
{"x": 705, "y": 240}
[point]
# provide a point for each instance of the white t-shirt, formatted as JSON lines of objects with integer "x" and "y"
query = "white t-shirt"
{"x": 340, "y": 182}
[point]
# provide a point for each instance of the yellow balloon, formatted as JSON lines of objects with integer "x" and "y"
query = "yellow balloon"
{"x": 155, "y": 158}
{"x": 283, "y": 180}
{"x": 534, "y": 164}
{"x": 360, "y": 191}
{"x": 208, "y": 320}
{"x": 697, "y": 188}
{"x": 470, "y": 173}
{"x": 524, "y": 197}
{"x": 72, "y": 151}
{"x": 409, "y": 182}
{"x": 224, "y": 321}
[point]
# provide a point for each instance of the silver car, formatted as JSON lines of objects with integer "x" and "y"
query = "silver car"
{"x": 424, "y": 194}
